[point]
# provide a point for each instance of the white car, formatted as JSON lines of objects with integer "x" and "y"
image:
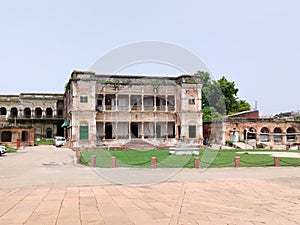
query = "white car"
{"x": 2, "y": 150}
{"x": 59, "y": 141}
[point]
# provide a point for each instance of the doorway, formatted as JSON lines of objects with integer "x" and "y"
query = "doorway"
{"x": 134, "y": 127}
{"x": 108, "y": 131}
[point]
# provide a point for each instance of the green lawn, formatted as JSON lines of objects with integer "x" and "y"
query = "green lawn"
{"x": 208, "y": 158}
{"x": 44, "y": 142}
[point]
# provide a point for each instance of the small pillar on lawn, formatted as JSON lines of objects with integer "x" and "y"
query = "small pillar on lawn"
{"x": 92, "y": 160}
{"x": 113, "y": 162}
{"x": 276, "y": 161}
{"x": 78, "y": 156}
{"x": 153, "y": 162}
{"x": 196, "y": 162}
{"x": 237, "y": 161}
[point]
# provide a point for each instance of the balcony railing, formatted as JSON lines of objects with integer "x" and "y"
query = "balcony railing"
{"x": 135, "y": 108}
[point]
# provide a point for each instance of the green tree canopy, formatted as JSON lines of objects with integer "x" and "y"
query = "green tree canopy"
{"x": 219, "y": 97}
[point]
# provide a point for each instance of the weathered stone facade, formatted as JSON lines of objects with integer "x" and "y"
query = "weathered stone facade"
{"x": 42, "y": 111}
{"x": 250, "y": 127}
{"x": 111, "y": 110}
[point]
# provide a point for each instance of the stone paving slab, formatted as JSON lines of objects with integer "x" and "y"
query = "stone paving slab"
{"x": 32, "y": 193}
{"x": 202, "y": 202}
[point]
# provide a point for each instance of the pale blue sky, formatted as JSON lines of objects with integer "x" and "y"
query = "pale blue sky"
{"x": 254, "y": 43}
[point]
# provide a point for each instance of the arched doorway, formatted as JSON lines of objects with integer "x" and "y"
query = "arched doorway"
{"x": 264, "y": 134}
{"x": 277, "y": 134}
{"x": 291, "y": 136}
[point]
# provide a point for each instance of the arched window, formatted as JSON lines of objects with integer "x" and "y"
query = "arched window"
{"x": 277, "y": 134}
{"x": 6, "y": 136}
{"x": 251, "y": 133}
{"x": 49, "y": 112}
{"x": 59, "y": 113}
{"x": 264, "y": 134}
{"x": 38, "y": 112}
{"x": 3, "y": 111}
{"x": 291, "y": 136}
{"x": 14, "y": 112}
{"x": 27, "y": 112}
{"x": 84, "y": 131}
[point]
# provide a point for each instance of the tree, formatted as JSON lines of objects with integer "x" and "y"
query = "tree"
{"x": 219, "y": 97}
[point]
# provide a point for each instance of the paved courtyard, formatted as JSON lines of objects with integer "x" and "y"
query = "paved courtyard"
{"x": 43, "y": 185}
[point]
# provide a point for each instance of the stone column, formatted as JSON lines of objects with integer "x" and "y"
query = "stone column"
{"x": 103, "y": 103}
{"x": 103, "y": 130}
{"x": 143, "y": 134}
{"x": 129, "y": 130}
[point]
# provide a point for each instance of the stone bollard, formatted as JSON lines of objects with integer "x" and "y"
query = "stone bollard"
{"x": 78, "y": 156}
{"x": 276, "y": 161}
{"x": 237, "y": 161}
{"x": 153, "y": 162}
{"x": 92, "y": 160}
{"x": 196, "y": 162}
{"x": 113, "y": 162}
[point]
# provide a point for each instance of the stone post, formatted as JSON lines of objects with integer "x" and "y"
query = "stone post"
{"x": 276, "y": 161}
{"x": 153, "y": 162}
{"x": 113, "y": 162}
{"x": 196, "y": 162}
{"x": 92, "y": 160}
{"x": 237, "y": 161}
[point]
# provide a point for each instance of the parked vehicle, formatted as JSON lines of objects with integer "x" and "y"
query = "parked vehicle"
{"x": 2, "y": 150}
{"x": 59, "y": 141}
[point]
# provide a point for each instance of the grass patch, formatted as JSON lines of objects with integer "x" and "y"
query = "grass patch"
{"x": 44, "y": 142}
{"x": 208, "y": 158}
{"x": 10, "y": 150}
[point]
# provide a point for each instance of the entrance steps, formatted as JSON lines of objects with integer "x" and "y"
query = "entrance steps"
{"x": 139, "y": 144}
{"x": 242, "y": 145}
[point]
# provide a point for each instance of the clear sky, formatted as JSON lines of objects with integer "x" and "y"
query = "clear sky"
{"x": 254, "y": 43}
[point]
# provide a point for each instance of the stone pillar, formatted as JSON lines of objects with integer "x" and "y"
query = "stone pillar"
{"x": 92, "y": 160}
{"x": 276, "y": 161}
{"x": 167, "y": 130}
{"x": 153, "y": 162}
{"x": 166, "y": 105}
{"x": 103, "y": 130}
{"x": 113, "y": 162}
{"x": 284, "y": 137}
{"x": 103, "y": 103}
{"x": 116, "y": 103}
{"x": 143, "y": 134}
{"x": 154, "y": 102}
{"x": 116, "y": 130}
{"x": 196, "y": 162}
{"x": 129, "y": 130}
{"x": 237, "y": 161}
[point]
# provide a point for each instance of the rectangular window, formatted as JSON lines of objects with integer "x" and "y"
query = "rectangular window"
{"x": 191, "y": 100}
{"x": 83, "y": 99}
{"x": 192, "y": 131}
{"x": 84, "y": 132}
